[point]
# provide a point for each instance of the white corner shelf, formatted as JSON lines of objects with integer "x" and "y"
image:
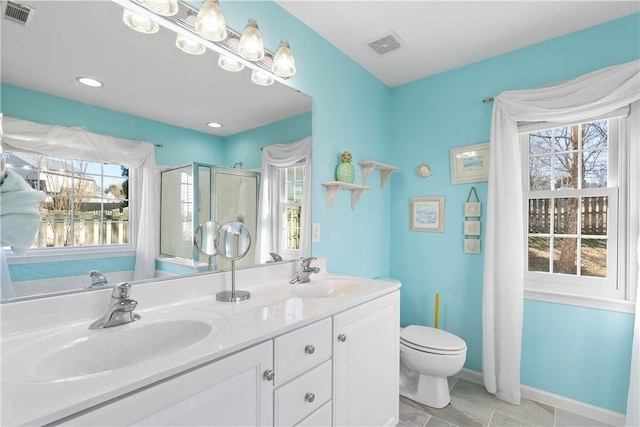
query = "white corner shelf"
{"x": 368, "y": 166}
{"x": 334, "y": 186}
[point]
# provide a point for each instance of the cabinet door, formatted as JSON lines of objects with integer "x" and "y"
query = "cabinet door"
{"x": 229, "y": 392}
{"x": 366, "y": 363}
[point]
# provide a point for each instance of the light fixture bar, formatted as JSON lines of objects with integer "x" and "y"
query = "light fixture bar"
{"x": 179, "y": 25}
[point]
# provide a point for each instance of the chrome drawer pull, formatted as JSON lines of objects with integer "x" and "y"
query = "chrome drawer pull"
{"x": 310, "y": 349}
{"x": 342, "y": 337}
{"x": 310, "y": 397}
{"x": 268, "y": 375}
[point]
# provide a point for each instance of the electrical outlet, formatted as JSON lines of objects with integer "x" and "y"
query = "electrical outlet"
{"x": 315, "y": 234}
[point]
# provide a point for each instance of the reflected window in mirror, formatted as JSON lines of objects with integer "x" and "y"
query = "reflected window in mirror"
{"x": 86, "y": 204}
{"x": 292, "y": 180}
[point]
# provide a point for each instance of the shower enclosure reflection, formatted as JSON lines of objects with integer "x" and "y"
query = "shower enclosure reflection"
{"x": 197, "y": 193}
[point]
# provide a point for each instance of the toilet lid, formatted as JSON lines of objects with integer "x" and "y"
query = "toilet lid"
{"x": 431, "y": 340}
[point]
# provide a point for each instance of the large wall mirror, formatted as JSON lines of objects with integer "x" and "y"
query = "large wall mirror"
{"x": 152, "y": 92}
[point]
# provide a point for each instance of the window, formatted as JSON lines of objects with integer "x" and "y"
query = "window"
{"x": 292, "y": 179}
{"x": 86, "y": 204}
{"x": 572, "y": 207}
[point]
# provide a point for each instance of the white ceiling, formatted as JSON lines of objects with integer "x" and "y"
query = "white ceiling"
{"x": 437, "y": 36}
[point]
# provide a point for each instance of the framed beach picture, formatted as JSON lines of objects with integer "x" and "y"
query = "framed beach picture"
{"x": 427, "y": 214}
{"x": 470, "y": 163}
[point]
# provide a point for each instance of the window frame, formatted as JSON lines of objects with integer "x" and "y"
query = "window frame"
{"x": 65, "y": 253}
{"x": 618, "y": 291}
{"x": 282, "y": 207}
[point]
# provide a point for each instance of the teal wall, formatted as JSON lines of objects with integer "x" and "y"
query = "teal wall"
{"x": 581, "y": 353}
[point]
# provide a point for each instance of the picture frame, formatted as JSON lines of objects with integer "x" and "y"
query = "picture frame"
{"x": 472, "y": 228}
{"x": 427, "y": 214}
{"x": 472, "y": 209}
{"x": 470, "y": 163}
{"x": 471, "y": 246}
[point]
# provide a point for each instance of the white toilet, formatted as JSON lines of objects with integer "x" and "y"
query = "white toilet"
{"x": 427, "y": 357}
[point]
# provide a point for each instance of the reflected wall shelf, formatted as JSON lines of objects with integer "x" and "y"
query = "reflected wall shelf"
{"x": 368, "y": 166}
{"x": 334, "y": 186}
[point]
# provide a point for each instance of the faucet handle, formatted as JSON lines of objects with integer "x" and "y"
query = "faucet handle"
{"x": 121, "y": 291}
{"x": 306, "y": 262}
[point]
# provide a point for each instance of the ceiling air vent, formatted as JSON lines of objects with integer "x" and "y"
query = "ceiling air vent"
{"x": 386, "y": 43}
{"x": 18, "y": 13}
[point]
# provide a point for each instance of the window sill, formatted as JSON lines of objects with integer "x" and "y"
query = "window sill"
{"x": 66, "y": 254}
{"x": 581, "y": 301}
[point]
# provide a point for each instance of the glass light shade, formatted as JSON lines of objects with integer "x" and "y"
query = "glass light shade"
{"x": 261, "y": 79}
{"x": 283, "y": 63}
{"x": 189, "y": 46}
{"x": 161, "y": 7}
{"x": 251, "y": 46}
{"x": 210, "y": 23}
{"x": 139, "y": 23}
{"x": 229, "y": 64}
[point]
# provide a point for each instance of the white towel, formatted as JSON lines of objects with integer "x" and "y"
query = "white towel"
{"x": 19, "y": 212}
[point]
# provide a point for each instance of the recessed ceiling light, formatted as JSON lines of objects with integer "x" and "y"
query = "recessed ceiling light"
{"x": 89, "y": 82}
{"x": 214, "y": 125}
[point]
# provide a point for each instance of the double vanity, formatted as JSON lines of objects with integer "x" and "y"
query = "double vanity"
{"x": 319, "y": 353}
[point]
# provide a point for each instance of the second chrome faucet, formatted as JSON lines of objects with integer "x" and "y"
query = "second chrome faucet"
{"x": 120, "y": 310}
{"x": 304, "y": 271}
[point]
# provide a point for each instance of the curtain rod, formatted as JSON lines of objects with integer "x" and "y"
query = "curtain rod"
{"x": 487, "y": 100}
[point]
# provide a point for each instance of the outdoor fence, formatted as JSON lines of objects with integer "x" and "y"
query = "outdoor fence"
{"x": 86, "y": 228}
{"x": 593, "y": 215}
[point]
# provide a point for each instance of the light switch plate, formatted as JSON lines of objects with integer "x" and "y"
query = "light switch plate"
{"x": 315, "y": 234}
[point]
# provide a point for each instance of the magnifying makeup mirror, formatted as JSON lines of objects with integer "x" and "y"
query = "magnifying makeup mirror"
{"x": 204, "y": 239}
{"x": 232, "y": 242}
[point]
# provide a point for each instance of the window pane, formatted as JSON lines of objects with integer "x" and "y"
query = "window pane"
{"x": 539, "y": 254}
{"x": 595, "y": 168}
{"x": 594, "y": 215}
{"x": 566, "y": 138}
{"x": 594, "y": 257}
{"x": 595, "y": 135}
{"x": 566, "y": 215}
{"x": 540, "y": 142}
{"x": 540, "y": 216}
{"x": 565, "y": 255}
{"x": 566, "y": 170}
{"x": 540, "y": 173}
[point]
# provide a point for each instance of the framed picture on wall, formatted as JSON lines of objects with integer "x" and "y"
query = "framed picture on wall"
{"x": 427, "y": 214}
{"x": 470, "y": 163}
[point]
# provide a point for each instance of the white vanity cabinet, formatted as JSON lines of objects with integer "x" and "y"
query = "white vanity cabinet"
{"x": 366, "y": 363}
{"x": 231, "y": 391}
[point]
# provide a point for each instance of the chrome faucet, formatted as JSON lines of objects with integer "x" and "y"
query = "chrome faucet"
{"x": 304, "y": 271}
{"x": 275, "y": 257}
{"x": 120, "y": 310}
{"x": 98, "y": 280}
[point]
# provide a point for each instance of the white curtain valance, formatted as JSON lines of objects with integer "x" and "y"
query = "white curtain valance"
{"x": 80, "y": 144}
{"x": 592, "y": 95}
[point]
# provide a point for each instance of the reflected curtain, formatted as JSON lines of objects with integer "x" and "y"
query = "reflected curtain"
{"x": 274, "y": 158}
{"x": 586, "y": 97}
{"x": 77, "y": 143}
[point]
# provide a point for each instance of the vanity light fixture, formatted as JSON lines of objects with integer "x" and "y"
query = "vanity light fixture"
{"x": 210, "y": 23}
{"x": 161, "y": 7}
{"x": 251, "y": 46}
{"x": 214, "y": 125}
{"x": 229, "y": 63}
{"x": 139, "y": 23}
{"x": 283, "y": 63}
{"x": 261, "y": 79}
{"x": 88, "y": 81}
{"x": 187, "y": 45}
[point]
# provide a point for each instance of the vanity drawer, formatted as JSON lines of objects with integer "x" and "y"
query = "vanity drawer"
{"x": 320, "y": 418}
{"x": 300, "y": 350}
{"x": 302, "y": 396}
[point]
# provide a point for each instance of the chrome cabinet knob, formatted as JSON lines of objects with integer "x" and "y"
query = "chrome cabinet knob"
{"x": 310, "y": 397}
{"x": 342, "y": 337}
{"x": 268, "y": 375}
{"x": 310, "y": 349}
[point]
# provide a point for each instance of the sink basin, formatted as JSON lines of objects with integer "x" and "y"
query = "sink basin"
{"x": 327, "y": 288}
{"x": 105, "y": 350}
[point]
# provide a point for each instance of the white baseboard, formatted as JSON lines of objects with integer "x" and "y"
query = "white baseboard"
{"x": 561, "y": 402}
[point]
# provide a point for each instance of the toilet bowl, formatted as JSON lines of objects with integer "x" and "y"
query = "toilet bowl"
{"x": 427, "y": 357}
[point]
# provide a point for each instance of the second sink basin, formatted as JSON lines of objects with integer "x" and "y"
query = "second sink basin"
{"x": 108, "y": 349}
{"x": 327, "y": 288}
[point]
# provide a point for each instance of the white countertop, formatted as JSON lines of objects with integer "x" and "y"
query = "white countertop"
{"x": 31, "y": 397}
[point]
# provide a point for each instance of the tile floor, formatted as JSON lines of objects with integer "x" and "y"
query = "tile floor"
{"x": 471, "y": 405}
